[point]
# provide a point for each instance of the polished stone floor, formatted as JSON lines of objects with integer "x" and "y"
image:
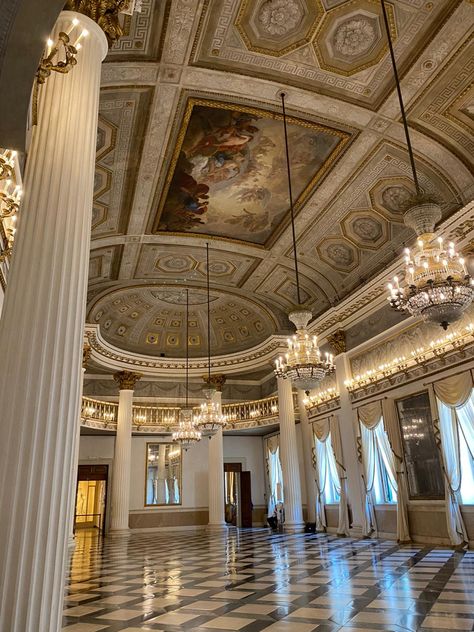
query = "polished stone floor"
{"x": 252, "y": 580}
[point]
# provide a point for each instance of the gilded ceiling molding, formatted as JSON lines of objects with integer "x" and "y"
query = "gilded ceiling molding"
{"x": 337, "y": 341}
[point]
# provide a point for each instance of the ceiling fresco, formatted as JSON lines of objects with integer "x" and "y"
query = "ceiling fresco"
{"x": 228, "y": 174}
{"x": 190, "y": 150}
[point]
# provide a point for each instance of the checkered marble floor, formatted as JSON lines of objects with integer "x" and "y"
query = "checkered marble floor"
{"x": 252, "y": 580}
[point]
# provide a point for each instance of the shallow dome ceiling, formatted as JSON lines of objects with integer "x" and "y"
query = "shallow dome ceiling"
{"x": 151, "y": 320}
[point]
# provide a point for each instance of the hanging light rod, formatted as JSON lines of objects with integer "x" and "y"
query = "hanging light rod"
{"x": 400, "y": 99}
{"x": 303, "y": 364}
{"x": 290, "y": 197}
{"x": 210, "y": 418}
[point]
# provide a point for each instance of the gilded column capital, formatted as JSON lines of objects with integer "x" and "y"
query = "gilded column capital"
{"x": 104, "y": 12}
{"x": 215, "y": 381}
{"x": 86, "y": 354}
{"x": 337, "y": 341}
{"x": 127, "y": 380}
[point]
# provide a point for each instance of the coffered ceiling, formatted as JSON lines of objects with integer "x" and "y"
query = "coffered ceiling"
{"x": 190, "y": 150}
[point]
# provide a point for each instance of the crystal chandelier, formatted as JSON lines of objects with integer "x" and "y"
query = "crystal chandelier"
{"x": 437, "y": 287}
{"x": 186, "y": 434}
{"x": 302, "y": 364}
{"x": 210, "y": 418}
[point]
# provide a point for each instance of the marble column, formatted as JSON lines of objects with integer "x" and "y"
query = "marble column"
{"x": 86, "y": 353}
{"x": 216, "y": 464}
{"x": 120, "y": 495}
{"x": 308, "y": 447}
{"x": 289, "y": 457}
{"x": 41, "y": 336}
{"x": 349, "y": 446}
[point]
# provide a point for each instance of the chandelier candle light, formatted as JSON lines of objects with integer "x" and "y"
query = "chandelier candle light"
{"x": 187, "y": 434}
{"x": 210, "y": 418}
{"x": 303, "y": 363}
{"x": 437, "y": 287}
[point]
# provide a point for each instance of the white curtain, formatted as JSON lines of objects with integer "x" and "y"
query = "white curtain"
{"x": 390, "y": 420}
{"x": 275, "y": 474}
{"x": 452, "y": 393}
{"x": 343, "y": 523}
{"x": 328, "y": 476}
{"x": 465, "y": 415}
{"x": 369, "y": 417}
{"x": 321, "y": 433}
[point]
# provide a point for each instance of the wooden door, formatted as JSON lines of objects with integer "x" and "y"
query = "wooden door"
{"x": 246, "y": 499}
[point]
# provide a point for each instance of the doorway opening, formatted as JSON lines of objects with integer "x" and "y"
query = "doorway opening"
{"x": 238, "y": 497}
{"x": 91, "y": 498}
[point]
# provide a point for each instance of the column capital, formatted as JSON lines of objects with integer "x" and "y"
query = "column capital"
{"x": 104, "y": 12}
{"x": 127, "y": 380}
{"x": 86, "y": 355}
{"x": 337, "y": 341}
{"x": 215, "y": 381}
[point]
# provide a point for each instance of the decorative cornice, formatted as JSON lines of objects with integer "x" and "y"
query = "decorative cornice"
{"x": 126, "y": 380}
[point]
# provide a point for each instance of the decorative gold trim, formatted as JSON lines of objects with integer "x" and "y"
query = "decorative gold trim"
{"x": 127, "y": 379}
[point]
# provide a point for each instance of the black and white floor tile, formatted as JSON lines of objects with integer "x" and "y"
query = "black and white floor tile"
{"x": 252, "y": 580}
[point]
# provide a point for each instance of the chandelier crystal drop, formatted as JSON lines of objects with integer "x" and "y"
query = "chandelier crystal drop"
{"x": 303, "y": 364}
{"x": 438, "y": 288}
{"x": 187, "y": 434}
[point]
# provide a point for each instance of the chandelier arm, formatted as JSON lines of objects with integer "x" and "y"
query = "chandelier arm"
{"x": 208, "y": 320}
{"x": 290, "y": 194}
{"x": 400, "y": 99}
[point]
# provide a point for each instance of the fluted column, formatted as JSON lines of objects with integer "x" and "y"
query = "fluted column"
{"x": 41, "y": 334}
{"x": 86, "y": 353}
{"x": 289, "y": 457}
{"x": 216, "y": 464}
{"x": 120, "y": 498}
{"x": 308, "y": 447}
{"x": 349, "y": 445}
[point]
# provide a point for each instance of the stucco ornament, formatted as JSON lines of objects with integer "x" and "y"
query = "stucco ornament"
{"x": 279, "y": 17}
{"x": 354, "y": 37}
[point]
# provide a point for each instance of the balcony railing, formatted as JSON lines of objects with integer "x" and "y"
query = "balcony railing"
{"x": 100, "y": 414}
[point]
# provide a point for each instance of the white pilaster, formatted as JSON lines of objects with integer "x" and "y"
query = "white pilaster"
{"x": 308, "y": 446}
{"x": 41, "y": 334}
{"x": 120, "y": 498}
{"x": 289, "y": 457}
{"x": 349, "y": 445}
{"x": 216, "y": 473}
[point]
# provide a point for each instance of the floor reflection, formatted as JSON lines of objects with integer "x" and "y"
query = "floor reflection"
{"x": 253, "y": 580}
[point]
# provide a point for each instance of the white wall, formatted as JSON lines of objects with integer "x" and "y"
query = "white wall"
{"x": 249, "y": 452}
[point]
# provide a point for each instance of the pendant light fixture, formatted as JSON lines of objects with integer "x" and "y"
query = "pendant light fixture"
{"x": 436, "y": 287}
{"x": 302, "y": 364}
{"x": 210, "y": 419}
{"x": 187, "y": 434}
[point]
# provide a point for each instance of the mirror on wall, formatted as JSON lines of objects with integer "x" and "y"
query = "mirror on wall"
{"x": 163, "y": 474}
{"x": 422, "y": 458}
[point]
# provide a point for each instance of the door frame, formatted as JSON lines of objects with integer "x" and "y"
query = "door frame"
{"x": 108, "y": 488}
